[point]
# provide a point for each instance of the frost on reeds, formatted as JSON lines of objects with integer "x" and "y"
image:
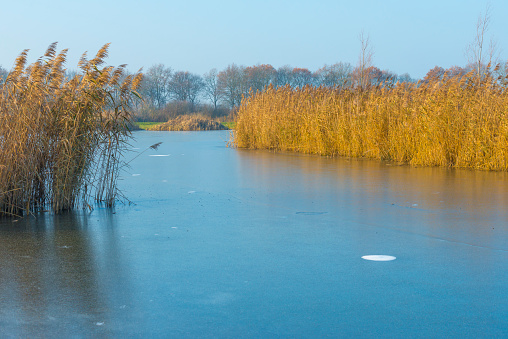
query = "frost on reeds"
{"x": 61, "y": 138}
{"x": 447, "y": 121}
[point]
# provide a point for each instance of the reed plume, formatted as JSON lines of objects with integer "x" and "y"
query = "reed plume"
{"x": 62, "y": 138}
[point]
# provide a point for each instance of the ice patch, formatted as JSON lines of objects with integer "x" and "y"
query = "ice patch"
{"x": 379, "y": 257}
{"x": 159, "y": 155}
{"x": 136, "y": 175}
{"x": 191, "y": 192}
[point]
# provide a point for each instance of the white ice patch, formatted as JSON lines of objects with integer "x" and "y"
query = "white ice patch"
{"x": 191, "y": 192}
{"x": 136, "y": 175}
{"x": 159, "y": 155}
{"x": 379, "y": 257}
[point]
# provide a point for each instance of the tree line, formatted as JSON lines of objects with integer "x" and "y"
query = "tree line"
{"x": 219, "y": 92}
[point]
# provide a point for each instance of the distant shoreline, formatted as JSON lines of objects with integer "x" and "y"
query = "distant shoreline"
{"x": 183, "y": 123}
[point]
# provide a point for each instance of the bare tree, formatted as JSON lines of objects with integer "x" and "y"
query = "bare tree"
{"x": 336, "y": 75}
{"x": 283, "y": 76}
{"x": 195, "y": 87}
{"x": 232, "y": 84}
{"x": 211, "y": 87}
{"x": 477, "y": 53}
{"x": 260, "y": 76}
{"x": 300, "y": 77}
{"x": 185, "y": 87}
{"x": 155, "y": 87}
{"x": 364, "y": 62}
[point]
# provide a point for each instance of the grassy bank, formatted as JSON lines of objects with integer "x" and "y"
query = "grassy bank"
{"x": 145, "y": 125}
{"x": 61, "y": 138}
{"x": 450, "y": 121}
{"x": 229, "y": 124}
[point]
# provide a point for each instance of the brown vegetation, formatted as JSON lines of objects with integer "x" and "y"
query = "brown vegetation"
{"x": 193, "y": 122}
{"x": 61, "y": 138}
{"x": 454, "y": 121}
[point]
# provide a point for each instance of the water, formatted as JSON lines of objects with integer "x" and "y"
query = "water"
{"x": 236, "y": 243}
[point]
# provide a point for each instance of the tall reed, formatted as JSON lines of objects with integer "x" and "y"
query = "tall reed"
{"x": 449, "y": 121}
{"x": 61, "y": 139}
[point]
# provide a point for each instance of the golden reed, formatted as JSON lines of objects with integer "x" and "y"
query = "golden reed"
{"x": 61, "y": 138}
{"x": 450, "y": 121}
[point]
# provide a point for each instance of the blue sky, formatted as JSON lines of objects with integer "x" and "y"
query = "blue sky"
{"x": 197, "y": 35}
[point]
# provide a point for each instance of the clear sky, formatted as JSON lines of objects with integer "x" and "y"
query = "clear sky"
{"x": 198, "y": 35}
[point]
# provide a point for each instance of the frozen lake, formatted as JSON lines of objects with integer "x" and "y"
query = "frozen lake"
{"x": 235, "y": 243}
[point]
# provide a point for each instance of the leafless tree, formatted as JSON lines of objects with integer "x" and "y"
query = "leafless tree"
{"x": 155, "y": 87}
{"x": 211, "y": 87}
{"x": 364, "y": 62}
{"x": 283, "y": 76}
{"x": 232, "y": 84}
{"x": 185, "y": 87}
{"x": 479, "y": 56}
{"x": 336, "y": 75}
{"x": 260, "y": 76}
{"x": 300, "y": 77}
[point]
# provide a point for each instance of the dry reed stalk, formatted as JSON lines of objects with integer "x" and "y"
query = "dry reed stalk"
{"x": 62, "y": 138}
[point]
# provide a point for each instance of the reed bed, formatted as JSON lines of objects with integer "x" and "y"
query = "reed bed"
{"x": 62, "y": 139}
{"x": 450, "y": 121}
{"x": 188, "y": 122}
